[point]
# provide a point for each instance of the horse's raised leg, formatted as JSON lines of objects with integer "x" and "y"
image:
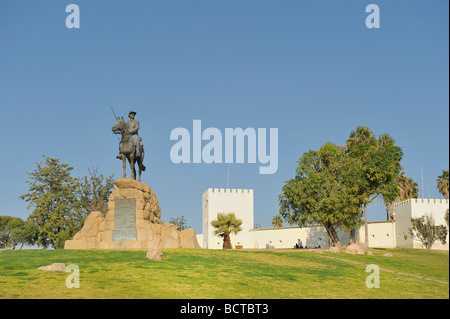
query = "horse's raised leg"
{"x": 124, "y": 164}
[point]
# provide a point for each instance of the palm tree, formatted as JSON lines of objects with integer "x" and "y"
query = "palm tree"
{"x": 385, "y": 139}
{"x": 225, "y": 225}
{"x": 442, "y": 183}
{"x": 361, "y": 135}
{"x": 277, "y": 221}
{"x": 407, "y": 189}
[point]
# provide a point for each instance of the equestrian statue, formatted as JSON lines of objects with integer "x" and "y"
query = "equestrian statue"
{"x": 130, "y": 147}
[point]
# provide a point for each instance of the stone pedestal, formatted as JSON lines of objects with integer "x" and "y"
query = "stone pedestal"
{"x": 133, "y": 221}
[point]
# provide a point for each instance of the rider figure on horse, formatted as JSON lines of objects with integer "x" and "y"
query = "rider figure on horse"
{"x": 133, "y": 128}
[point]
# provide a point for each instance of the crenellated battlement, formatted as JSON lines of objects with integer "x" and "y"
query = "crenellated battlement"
{"x": 422, "y": 200}
{"x": 230, "y": 190}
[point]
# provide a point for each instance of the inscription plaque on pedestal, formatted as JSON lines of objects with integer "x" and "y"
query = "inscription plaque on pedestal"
{"x": 124, "y": 219}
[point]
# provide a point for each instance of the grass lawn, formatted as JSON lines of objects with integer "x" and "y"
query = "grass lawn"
{"x": 218, "y": 274}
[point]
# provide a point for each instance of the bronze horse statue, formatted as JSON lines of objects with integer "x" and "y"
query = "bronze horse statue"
{"x": 128, "y": 149}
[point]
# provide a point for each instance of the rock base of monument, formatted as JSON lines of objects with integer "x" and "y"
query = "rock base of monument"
{"x": 132, "y": 222}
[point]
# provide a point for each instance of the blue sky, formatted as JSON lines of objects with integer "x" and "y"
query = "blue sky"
{"x": 309, "y": 68}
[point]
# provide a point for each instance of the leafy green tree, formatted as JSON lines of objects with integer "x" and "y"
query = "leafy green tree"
{"x": 407, "y": 189}
{"x": 180, "y": 221}
{"x": 4, "y": 231}
{"x": 224, "y": 225}
{"x": 61, "y": 203}
{"x": 53, "y": 197}
{"x": 379, "y": 160}
{"x": 324, "y": 191}
{"x": 14, "y": 231}
{"x": 442, "y": 183}
{"x": 93, "y": 193}
{"x": 277, "y": 221}
{"x": 424, "y": 230}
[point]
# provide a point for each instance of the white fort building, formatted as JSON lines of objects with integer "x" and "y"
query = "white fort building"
{"x": 382, "y": 234}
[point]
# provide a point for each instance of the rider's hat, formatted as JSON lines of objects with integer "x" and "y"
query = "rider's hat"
{"x": 132, "y": 112}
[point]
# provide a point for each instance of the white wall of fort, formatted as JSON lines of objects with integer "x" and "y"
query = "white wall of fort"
{"x": 414, "y": 208}
{"x": 220, "y": 200}
{"x": 382, "y": 234}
